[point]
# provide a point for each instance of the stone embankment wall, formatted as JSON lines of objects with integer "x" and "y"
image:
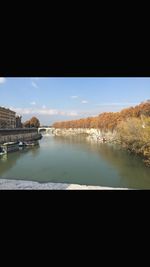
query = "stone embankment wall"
{"x": 92, "y": 134}
{"x": 29, "y": 185}
{"x": 13, "y": 135}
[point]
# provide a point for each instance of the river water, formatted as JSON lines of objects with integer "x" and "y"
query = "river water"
{"x": 78, "y": 161}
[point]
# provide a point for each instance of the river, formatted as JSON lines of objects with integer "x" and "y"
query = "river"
{"x": 77, "y": 161}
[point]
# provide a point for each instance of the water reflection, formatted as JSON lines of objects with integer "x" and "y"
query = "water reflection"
{"x": 130, "y": 168}
{"x": 4, "y": 157}
{"x": 8, "y": 161}
{"x": 76, "y": 160}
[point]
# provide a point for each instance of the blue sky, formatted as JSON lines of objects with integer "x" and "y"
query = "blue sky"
{"x": 56, "y": 99}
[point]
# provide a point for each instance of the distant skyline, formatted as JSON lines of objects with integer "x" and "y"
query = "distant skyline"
{"x": 57, "y": 99}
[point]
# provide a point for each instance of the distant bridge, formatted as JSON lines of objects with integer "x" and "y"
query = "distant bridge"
{"x": 47, "y": 130}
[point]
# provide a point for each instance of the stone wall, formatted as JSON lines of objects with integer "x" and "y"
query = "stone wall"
{"x": 93, "y": 134}
{"x": 6, "y": 184}
{"x": 13, "y": 135}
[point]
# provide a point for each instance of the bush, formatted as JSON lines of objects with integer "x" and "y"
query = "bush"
{"x": 134, "y": 134}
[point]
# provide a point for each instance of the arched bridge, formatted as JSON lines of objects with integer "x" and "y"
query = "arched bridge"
{"x": 46, "y": 130}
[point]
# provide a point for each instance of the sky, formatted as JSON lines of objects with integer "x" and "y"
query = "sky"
{"x": 57, "y": 99}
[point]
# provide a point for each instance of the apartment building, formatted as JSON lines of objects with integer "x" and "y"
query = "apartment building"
{"x": 7, "y": 118}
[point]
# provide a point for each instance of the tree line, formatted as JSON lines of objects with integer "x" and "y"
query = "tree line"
{"x": 108, "y": 120}
{"x": 132, "y": 126}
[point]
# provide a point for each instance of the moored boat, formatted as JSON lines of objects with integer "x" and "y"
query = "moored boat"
{"x": 22, "y": 144}
{"x": 2, "y": 151}
{"x": 10, "y": 146}
{"x": 31, "y": 143}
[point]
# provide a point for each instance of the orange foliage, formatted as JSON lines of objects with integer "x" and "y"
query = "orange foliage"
{"x": 33, "y": 122}
{"x": 107, "y": 120}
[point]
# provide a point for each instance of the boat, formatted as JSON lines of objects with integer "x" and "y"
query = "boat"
{"x": 2, "y": 151}
{"x": 31, "y": 143}
{"x": 22, "y": 144}
{"x": 10, "y": 146}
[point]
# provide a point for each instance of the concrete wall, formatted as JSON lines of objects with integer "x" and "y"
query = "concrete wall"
{"x": 13, "y": 135}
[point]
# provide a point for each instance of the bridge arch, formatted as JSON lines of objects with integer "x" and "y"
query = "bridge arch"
{"x": 46, "y": 130}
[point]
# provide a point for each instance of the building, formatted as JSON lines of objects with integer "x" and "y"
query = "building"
{"x": 7, "y": 118}
{"x": 18, "y": 122}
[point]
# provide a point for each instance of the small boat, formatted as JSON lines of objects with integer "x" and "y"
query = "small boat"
{"x": 10, "y": 146}
{"x": 2, "y": 151}
{"x": 31, "y": 143}
{"x": 22, "y": 144}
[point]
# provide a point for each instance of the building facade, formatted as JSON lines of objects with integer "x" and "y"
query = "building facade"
{"x": 7, "y": 118}
{"x": 18, "y": 122}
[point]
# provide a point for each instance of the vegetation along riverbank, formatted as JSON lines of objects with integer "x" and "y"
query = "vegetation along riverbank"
{"x": 130, "y": 128}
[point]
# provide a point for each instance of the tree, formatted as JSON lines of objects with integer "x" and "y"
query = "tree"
{"x": 34, "y": 122}
{"x": 26, "y": 124}
{"x": 108, "y": 120}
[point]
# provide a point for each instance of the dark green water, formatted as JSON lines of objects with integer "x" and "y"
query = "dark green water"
{"x": 75, "y": 160}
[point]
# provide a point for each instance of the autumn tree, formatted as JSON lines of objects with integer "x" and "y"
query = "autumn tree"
{"x": 132, "y": 125}
{"x": 26, "y": 124}
{"x": 32, "y": 123}
{"x": 134, "y": 135}
{"x": 107, "y": 120}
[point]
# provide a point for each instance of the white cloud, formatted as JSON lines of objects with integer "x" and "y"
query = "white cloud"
{"x": 84, "y": 101}
{"x": 118, "y": 104}
{"x": 47, "y": 111}
{"x": 38, "y": 78}
{"x": 72, "y": 113}
{"x": 43, "y": 106}
{"x": 44, "y": 111}
{"x": 35, "y": 78}
{"x": 74, "y": 96}
{"x": 2, "y": 80}
{"x": 33, "y": 103}
{"x": 68, "y": 113}
{"x": 34, "y": 84}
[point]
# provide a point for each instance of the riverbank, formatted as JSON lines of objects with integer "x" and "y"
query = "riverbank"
{"x": 29, "y": 185}
{"x": 90, "y": 134}
{"x": 130, "y": 135}
{"x": 21, "y": 134}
